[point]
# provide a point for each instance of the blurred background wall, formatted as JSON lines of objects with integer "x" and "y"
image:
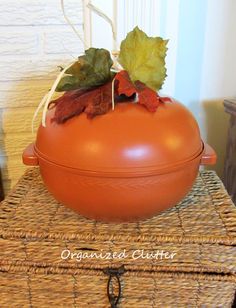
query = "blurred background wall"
{"x": 201, "y": 60}
{"x": 34, "y": 40}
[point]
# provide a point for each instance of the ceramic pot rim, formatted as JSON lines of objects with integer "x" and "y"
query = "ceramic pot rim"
{"x": 127, "y": 172}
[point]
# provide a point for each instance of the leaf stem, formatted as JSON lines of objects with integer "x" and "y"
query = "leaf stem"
{"x": 112, "y": 94}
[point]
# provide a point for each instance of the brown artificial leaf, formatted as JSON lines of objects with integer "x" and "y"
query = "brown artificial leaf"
{"x": 93, "y": 102}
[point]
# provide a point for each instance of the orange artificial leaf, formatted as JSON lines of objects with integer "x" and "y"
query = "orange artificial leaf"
{"x": 125, "y": 85}
{"x": 146, "y": 96}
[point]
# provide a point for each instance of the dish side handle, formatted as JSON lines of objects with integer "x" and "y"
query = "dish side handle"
{"x": 209, "y": 155}
{"x": 28, "y": 157}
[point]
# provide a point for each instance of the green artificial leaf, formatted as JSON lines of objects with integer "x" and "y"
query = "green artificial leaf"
{"x": 91, "y": 70}
{"x": 143, "y": 58}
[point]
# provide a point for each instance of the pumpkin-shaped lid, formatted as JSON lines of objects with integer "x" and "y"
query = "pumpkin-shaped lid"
{"x": 128, "y": 139}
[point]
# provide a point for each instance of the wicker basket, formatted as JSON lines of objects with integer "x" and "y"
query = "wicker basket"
{"x": 52, "y": 257}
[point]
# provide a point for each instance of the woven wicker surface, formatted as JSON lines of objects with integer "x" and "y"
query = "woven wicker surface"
{"x": 85, "y": 289}
{"x": 35, "y": 230}
{"x": 201, "y": 231}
